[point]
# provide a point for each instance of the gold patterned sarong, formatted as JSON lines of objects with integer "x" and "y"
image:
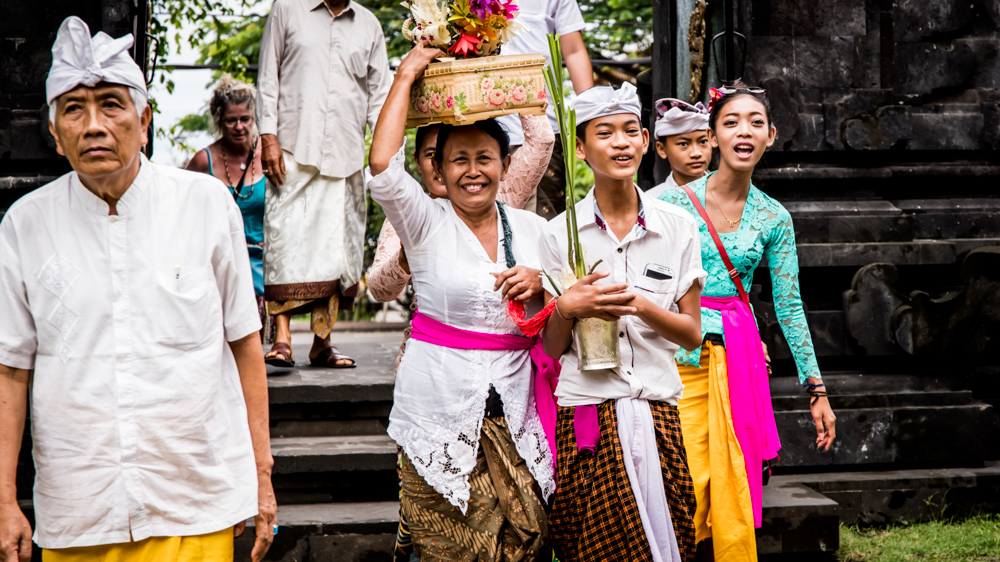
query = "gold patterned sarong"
{"x": 505, "y": 521}
{"x": 323, "y": 312}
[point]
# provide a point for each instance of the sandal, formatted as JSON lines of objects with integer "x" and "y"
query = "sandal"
{"x": 328, "y": 358}
{"x": 283, "y": 357}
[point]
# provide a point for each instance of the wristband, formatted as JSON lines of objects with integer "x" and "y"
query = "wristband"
{"x": 560, "y": 313}
{"x": 812, "y": 391}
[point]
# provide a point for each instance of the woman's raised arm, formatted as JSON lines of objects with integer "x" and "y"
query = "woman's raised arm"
{"x": 391, "y": 126}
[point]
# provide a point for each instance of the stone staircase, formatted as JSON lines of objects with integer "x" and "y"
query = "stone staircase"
{"x": 894, "y": 433}
{"x": 334, "y": 465}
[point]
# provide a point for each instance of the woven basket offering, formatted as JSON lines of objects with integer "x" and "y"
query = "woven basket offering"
{"x": 463, "y": 91}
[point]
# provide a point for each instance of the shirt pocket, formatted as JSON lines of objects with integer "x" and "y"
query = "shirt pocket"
{"x": 658, "y": 283}
{"x": 188, "y": 309}
{"x": 357, "y": 60}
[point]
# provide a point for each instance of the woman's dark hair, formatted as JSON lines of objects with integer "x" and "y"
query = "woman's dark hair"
{"x": 724, "y": 101}
{"x": 421, "y": 135}
{"x": 489, "y": 126}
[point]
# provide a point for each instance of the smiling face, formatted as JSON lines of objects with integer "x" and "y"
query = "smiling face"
{"x": 613, "y": 145}
{"x": 425, "y": 163}
{"x": 742, "y": 133}
{"x": 687, "y": 153}
{"x": 99, "y": 130}
{"x": 237, "y": 124}
{"x": 472, "y": 169}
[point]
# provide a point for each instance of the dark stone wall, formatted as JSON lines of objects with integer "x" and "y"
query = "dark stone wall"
{"x": 865, "y": 84}
{"x": 27, "y": 29}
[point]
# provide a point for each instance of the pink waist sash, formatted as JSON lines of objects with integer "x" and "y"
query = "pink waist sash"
{"x": 546, "y": 369}
{"x": 749, "y": 391}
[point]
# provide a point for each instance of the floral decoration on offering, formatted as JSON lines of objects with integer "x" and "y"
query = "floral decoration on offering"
{"x": 464, "y": 28}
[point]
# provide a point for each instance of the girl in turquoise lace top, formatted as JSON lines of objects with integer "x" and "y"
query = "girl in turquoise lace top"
{"x": 764, "y": 230}
{"x": 720, "y": 437}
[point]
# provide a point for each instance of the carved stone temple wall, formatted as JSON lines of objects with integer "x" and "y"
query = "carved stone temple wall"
{"x": 28, "y": 158}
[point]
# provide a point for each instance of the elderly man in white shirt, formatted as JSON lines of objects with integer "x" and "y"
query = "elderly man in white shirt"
{"x": 127, "y": 318}
{"x": 324, "y": 75}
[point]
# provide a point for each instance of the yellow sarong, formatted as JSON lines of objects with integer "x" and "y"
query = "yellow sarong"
{"x": 212, "y": 547}
{"x": 724, "y": 512}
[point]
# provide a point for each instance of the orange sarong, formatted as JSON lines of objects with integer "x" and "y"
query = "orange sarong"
{"x": 724, "y": 512}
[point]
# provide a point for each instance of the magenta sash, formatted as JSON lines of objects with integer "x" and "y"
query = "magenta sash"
{"x": 546, "y": 369}
{"x": 749, "y": 392}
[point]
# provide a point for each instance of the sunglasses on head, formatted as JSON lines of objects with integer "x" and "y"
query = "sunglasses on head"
{"x": 727, "y": 90}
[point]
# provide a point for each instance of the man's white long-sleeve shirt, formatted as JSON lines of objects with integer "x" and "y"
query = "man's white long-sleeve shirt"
{"x": 321, "y": 79}
{"x": 138, "y": 420}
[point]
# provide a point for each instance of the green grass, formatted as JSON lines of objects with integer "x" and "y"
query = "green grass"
{"x": 973, "y": 540}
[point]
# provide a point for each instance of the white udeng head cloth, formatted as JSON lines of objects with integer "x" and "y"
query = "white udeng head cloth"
{"x": 78, "y": 58}
{"x": 676, "y": 117}
{"x": 601, "y": 101}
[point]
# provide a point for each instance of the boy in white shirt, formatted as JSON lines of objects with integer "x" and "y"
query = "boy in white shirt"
{"x": 682, "y": 140}
{"x": 629, "y": 496}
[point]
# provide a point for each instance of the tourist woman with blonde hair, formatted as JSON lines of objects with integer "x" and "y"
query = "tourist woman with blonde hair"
{"x": 235, "y": 159}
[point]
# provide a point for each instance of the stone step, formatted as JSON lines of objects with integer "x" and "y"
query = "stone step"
{"x": 311, "y": 401}
{"x": 797, "y": 519}
{"x": 371, "y": 381}
{"x": 907, "y": 436}
{"x": 878, "y": 220}
{"x": 344, "y": 468}
{"x": 913, "y": 252}
{"x": 879, "y": 400}
{"x": 879, "y": 497}
{"x": 355, "y": 532}
{"x": 853, "y": 382}
{"x": 294, "y": 455}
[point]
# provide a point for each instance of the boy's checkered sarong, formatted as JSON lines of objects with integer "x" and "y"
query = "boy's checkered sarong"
{"x": 594, "y": 515}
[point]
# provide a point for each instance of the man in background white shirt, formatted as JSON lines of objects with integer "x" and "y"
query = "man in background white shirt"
{"x": 539, "y": 18}
{"x": 127, "y": 317}
{"x": 324, "y": 75}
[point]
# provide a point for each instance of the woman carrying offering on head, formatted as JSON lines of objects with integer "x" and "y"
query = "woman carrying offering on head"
{"x": 390, "y": 272}
{"x": 726, "y": 414}
{"x": 681, "y": 134}
{"x": 476, "y": 462}
{"x": 235, "y": 159}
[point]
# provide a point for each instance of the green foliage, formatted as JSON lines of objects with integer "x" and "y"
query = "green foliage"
{"x": 234, "y": 45}
{"x": 973, "y": 540}
{"x": 618, "y": 27}
{"x": 176, "y": 14}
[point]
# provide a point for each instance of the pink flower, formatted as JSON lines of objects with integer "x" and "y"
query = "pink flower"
{"x": 436, "y": 101}
{"x": 422, "y": 105}
{"x": 497, "y": 98}
{"x": 518, "y": 93}
{"x": 450, "y": 102}
{"x": 542, "y": 94}
{"x": 486, "y": 84}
